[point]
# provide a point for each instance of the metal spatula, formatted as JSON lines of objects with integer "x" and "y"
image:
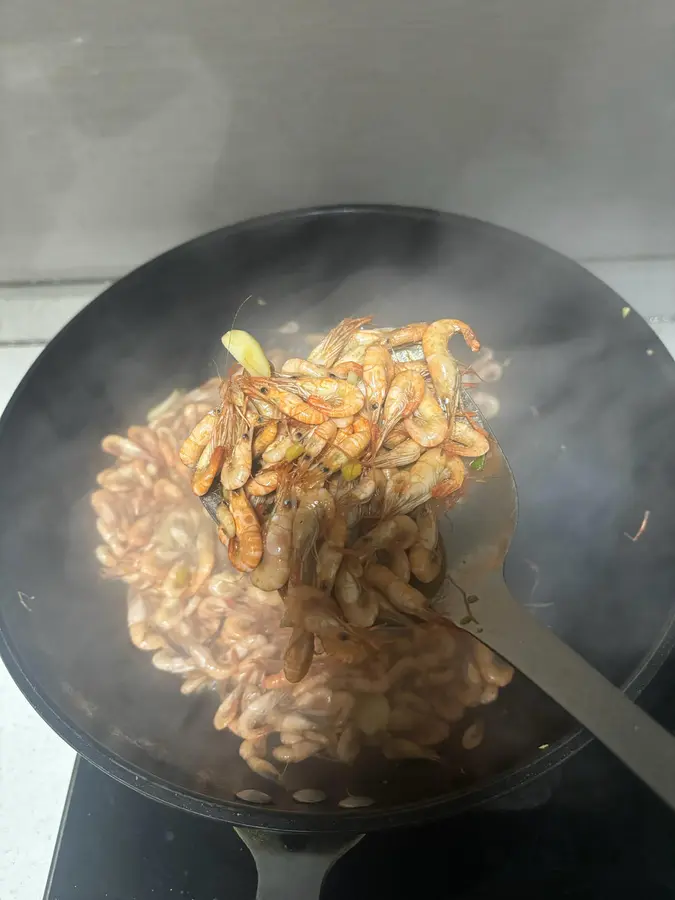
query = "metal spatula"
{"x": 475, "y": 596}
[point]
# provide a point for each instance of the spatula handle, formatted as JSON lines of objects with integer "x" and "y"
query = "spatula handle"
{"x": 635, "y": 738}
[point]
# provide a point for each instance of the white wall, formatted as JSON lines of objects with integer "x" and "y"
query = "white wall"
{"x": 127, "y": 126}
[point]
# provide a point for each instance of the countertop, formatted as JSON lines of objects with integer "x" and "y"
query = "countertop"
{"x": 35, "y": 765}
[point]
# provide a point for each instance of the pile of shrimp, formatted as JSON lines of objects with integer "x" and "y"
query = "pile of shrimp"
{"x": 404, "y": 691}
{"x": 328, "y": 472}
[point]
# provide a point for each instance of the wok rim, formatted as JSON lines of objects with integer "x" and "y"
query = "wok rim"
{"x": 236, "y": 812}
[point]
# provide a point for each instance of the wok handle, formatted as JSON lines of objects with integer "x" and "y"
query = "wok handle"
{"x": 293, "y": 866}
{"x": 633, "y": 736}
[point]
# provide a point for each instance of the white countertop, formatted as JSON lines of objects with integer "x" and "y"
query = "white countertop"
{"x": 35, "y": 765}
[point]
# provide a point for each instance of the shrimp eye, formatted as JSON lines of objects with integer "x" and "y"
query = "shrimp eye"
{"x": 298, "y": 435}
{"x": 325, "y": 469}
{"x": 343, "y": 636}
{"x": 244, "y": 436}
{"x": 288, "y": 503}
{"x": 374, "y": 405}
{"x": 263, "y": 390}
{"x": 332, "y": 375}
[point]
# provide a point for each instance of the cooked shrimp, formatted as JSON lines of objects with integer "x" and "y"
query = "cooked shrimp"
{"x": 198, "y": 438}
{"x": 206, "y": 558}
{"x": 296, "y": 366}
{"x": 264, "y": 437}
{"x": 425, "y": 564}
{"x": 264, "y": 483}
{"x": 468, "y": 440}
{"x": 433, "y": 475}
{"x": 237, "y": 469}
{"x": 403, "y": 397}
{"x": 398, "y": 562}
{"x": 405, "y": 453}
{"x": 228, "y": 710}
{"x": 120, "y": 446}
{"x": 314, "y": 507}
{"x": 328, "y": 351}
{"x": 297, "y": 752}
{"x": 246, "y": 547}
{"x": 347, "y": 369}
{"x": 408, "y": 334}
{"x": 349, "y": 444}
{"x": 315, "y": 439}
{"x": 443, "y": 368}
{"x": 209, "y": 465}
{"x": 400, "y": 531}
{"x": 359, "y": 607}
{"x": 412, "y": 365}
{"x": 428, "y": 425}
{"x": 312, "y": 610}
{"x": 332, "y": 396}
{"x": 298, "y": 655}
{"x": 378, "y": 371}
{"x": 493, "y": 670}
{"x": 275, "y": 567}
{"x": 287, "y": 401}
{"x": 276, "y": 451}
{"x": 396, "y": 436}
{"x": 427, "y": 524}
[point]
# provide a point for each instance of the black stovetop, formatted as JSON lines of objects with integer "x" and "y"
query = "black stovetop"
{"x": 590, "y": 830}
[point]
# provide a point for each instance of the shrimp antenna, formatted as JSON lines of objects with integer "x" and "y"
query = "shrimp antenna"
{"x": 234, "y": 319}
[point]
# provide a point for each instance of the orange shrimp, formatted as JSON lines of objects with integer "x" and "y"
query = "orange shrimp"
{"x": 378, "y": 371}
{"x": 264, "y": 483}
{"x": 287, "y": 401}
{"x": 412, "y": 365}
{"x": 328, "y": 351}
{"x": 246, "y": 547}
{"x": 467, "y": 440}
{"x": 396, "y": 436}
{"x": 347, "y": 368}
{"x": 298, "y": 655}
{"x": 210, "y": 463}
{"x": 428, "y": 425}
{"x": 349, "y": 444}
{"x": 198, "y": 438}
{"x": 443, "y": 368}
{"x": 314, "y": 441}
{"x": 403, "y": 397}
{"x": 264, "y": 437}
{"x": 408, "y": 334}
{"x": 433, "y": 475}
{"x": 408, "y": 451}
{"x": 332, "y": 396}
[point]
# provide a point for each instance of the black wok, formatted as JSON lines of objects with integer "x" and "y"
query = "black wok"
{"x": 586, "y": 417}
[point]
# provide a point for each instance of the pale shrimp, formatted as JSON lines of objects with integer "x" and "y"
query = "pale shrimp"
{"x": 328, "y": 351}
{"x": 264, "y": 483}
{"x": 287, "y": 401}
{"x": 275, "y": 567}
{"x": 467, "y": 440}
{"x": 412, "y": 365}
{"x": 314, "y": 507}
{"x": 348, "y": 745}
{"x": 362, "y": 490}
{"x": 138, "y": 625}
{"x": 425, "y": 564}
{"x": 253, "y": 753}
{"x": 312, "y": 610}
{"x": 209, "y": 465}
{"x": 378, "y": 371}
{"x": 398, "y": 562}
{"x": 298, "y": 655}
{"x": 346, "y": 652}
{"x": 225, "y": 520}
{"x": 258, "y": 719}
{"x": 427, "y": 523}
{"x": 206, "y": 558}
{"x": 265, "y": 409}
{"x": 113, "y": 538}
{"x": 400, "y": 531}
{"x": 396, "y": 436}
{"x": 493, "y": 670}
{"x": 333, "y": 397}
{"x": 198, "y": 438}
{"x": 349, "y": 444}
{"x": 296, "y": 366}
{"x": 264, "y": 437}
{"x": 407, "y": 452}
{"x": 246, "y": 547}
{"x": 123, "y": 447}
{"x": 315, "y": 439}
{"x": 105, "y": 506}
{"x": 229, "y": 707}
{"x": 403, "y": 397}
{"x": 347, "y": 369}
{"x": 404, "y": 597}
{"x": 443, "y": 368}
{"x": 331, "y": 552}
{"x": 297, "y": 752}
{"x": 433, "y": 475}
{"x": 359, "y": 608}
{"x": 237, "y": 469}
{"x": 276, "y": 451}
{"x": 428, "y": 425}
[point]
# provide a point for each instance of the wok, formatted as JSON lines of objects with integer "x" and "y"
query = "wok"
{"x": 586, "y": 413}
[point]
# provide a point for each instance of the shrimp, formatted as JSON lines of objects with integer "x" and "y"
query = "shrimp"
{"x": 193, "y": 445}
{"x": 298, "y": 655}
{"x": 443, "y": 368}
{"x": 402, "y": 596}
{"x": 276, "y": 451}
{"x": 347, "y": 445}
{"x": 264, "y": 483}
{"x": 347, "y": 369}
{"x": 246, "y": 547}
{"x": 297, "y": 752}
{"x": 412, "y": 365}
{"x": 266, "y": 410}
{"x": 408, "y": 334}
{"x": 428, "y": 425}
{"x": 362, "y": 490}
{"x": 314, "y": 507}
{"x": 237, "y": 470}
{"x": 378, "y": 371}
{"x": 304, "y": 367}
{"x": 314, "y": 441}
{"x": 402, "y": 748}
{"x": 253, "y": 753}
{"x": 206, "y": 559}
{"x": 210, "y": 463}
{"x": 467, "y": 440}
{"x": 275, "y": 567}
{"x": 493, "y": 669}
{"x": 138, "y": 625}
{"x": 427, "y": 524}
{"x": 331, "y": 552}
{"x": 287, "y": 401}
{"x": 401, "y": 532}
{"x": 312, "y": 610}
{"x": 328, "y": 351}
{"x": 358, "y": 608}
{"x": 264, "y": 437}
{"x": 228, "y": 710}
{"x": 433, "y": 475}
{"x": 425, "y": 564}
{"x": 398, "y": 562}
{"x": 403, "y": 397}
{"x": 120, "y": 446}
{"x": 396, "y": 436}
{"x": 331, "y": 396}
{"x": 405, "y": 453}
